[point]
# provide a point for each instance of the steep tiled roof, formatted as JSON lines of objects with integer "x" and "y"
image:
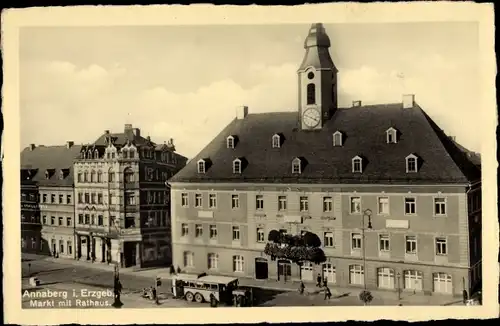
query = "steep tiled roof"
{"x": 53, "y": 159}
{"x": 364, "y": 132}
{"x": 120, "y": 139}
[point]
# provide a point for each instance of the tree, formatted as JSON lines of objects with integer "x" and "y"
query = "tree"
{"x": 274, "y": 236}
{"x": 365, "y": 296}
{"x": 311, "y": 240}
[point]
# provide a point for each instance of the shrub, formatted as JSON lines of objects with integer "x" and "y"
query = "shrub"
{"x": 274, "y": 236}
{"x": 365, "y": 296}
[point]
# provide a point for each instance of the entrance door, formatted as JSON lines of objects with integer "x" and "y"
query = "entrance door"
{"x": 329, "y": 273}
{"x": 306, "y": 271}
{"x": 261, "y": 268}
{"x": 284, "y": 270}
{"x": 129, "y": 254}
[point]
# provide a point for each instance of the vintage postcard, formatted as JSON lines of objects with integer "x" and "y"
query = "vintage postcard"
{"x": 298, "y": 163}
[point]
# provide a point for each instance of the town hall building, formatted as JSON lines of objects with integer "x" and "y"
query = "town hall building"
{"x": 395, "y": 201}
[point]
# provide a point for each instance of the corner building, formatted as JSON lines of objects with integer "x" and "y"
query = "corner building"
{"x": 395, "y": 201}
{"x": 122, "y": 206}
{"x": 47, "y": 200}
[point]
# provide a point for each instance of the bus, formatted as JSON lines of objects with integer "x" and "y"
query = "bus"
{"x": 199, "y": 287}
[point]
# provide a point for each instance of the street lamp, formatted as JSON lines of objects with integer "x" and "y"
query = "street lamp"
{"x": 399, "y": 286}
{"x": 367, "y": 213}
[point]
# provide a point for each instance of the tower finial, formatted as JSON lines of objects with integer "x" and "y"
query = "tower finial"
{"x": 317, "y": 37}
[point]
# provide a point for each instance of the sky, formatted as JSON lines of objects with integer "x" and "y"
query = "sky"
{"x": 186, "y": 82}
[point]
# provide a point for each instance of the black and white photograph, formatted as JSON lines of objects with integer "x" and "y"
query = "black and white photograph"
{"x": 307, "y": 161}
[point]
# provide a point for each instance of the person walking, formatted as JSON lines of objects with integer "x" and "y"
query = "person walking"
{"x": 318, "y": 280}
{"x": 325, "y": 282}
{"x": 301, "y": 287}
{"x": 328, "y": 294}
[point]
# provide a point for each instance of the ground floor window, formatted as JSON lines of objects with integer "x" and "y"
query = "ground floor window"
{"x": 188, "y": 259}
{"x": 61, "y": 246}
{"x": 356, "y": 274}
{"x": 213, "y": 261}
{"x": 238, "y": 264}
{"x": 307, "y": 271}
{"x": 385, "y": 278}
{"x": 70, "y": 248}
{"x": 413, "y": 280}
{"x": 33, "y": 243}
{"x": 442, "y": 283}
{"x": 329, "y": 273}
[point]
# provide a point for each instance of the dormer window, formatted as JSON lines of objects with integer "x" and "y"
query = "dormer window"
{"x": 391, "y": 134}
{"x": 276, "y": 141}
{"x": 89, "y": 154}
{"x": 296, "y": 166}
{"x": 357, "y": 165}
{"x": 125, "y": 153}
{"x": 131, "y": 153}
{"x": 47, "y": 175}
{"x": 337, "y": 138}
{"x": 201, "y": 166}
{"x": 411, "y": 164}
{"x": 96, "y": 154}
{"x": 61, "y": 174}
{"x": 237, "y": 166}
{"x": 230, "y": 142}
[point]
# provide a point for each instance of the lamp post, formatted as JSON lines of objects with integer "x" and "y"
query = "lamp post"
{"x": 399, "y": 287}
{"x": 367, "y": 213}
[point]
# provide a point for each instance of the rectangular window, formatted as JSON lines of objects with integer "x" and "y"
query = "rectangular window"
{"x": 99, "y": 198}
{"x": 282, "y": 203}
{"x": 329, "y": 240}
{"x": 384, "y": 242}
{"x": 87, "y": 219}
{"x": 260, "y": 235}
{"x": 130, "y": 198}
{"x": 356, "y": 275}
{"x": 61, "y": 199}
{"x": 80, "y": 218}
{"x": 80, "y": 179}
{"x": 87, "y": 198}
{"x": 69, "y": 221}
{"x": 439, "y": 206}
{"x": 383, "y": 205}
{"x": 69, "y": 245}
{"x": 213, "y": 261}
{"x": 44, "y": 198}
{"x": 304, "y": 204}
{"x": 198, "y": 200}
{"x": 411, "y": 244}
{"x": 53, "y": 198}
{"x": 44, "y": 219}
{"x": 61, "y": 246}
{"x": 184, "y": 200}
{"x": 213, "y": 231}
{"x": 188, "y": 259}
{"x": 184, "y": 230}
{"x": 238, "y": 264}
{"x": 235, "y": 201}
{"x": 94, "y": 200}
{"x": 68, "y": 199}
{"x": 212, "y": 200}
{"x": 355, "y": 205}
{"x": 111, "y": 175}
{"x": 236, "y": 233}
{"x": 100, "y": 220}
{"x": 410, "y": 206}
{"x": 199, "y": 231}
{"x": 92, "y": 219}
{"x": 80, "y": 198}
{"x": 327, "y": 204}
{"x": 61, "y": 220}
{"x": 259, "y": 202}
{"x": 356, "y": 241}
{"x": 441, "y": 247}
{"x": 53, "y": 220}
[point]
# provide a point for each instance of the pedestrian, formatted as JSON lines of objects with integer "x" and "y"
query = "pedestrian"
{"x": 213, "y": 301}
{"x": 155, "y": 295}
{"x": 325, "y": 282}
{"x": 328, "y": 294}
{"x": 301, "y": 287}
{"x": 318, "y": 280}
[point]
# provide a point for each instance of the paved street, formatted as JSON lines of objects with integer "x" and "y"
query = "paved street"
{"x": 69, "y": 275}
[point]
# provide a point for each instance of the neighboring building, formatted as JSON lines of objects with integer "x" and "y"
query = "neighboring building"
{"x": 122, "y": 205}
{"x": 47, "y": 207}
{"x": 320, "y": 169}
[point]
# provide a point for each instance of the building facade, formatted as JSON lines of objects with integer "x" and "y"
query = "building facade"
{"x": 122, "y": 205}
{"x": 47, "y": 200}
{"x": 395, "y": 202}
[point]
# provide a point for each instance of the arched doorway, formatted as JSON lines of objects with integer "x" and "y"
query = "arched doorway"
{"x": 284, "y": 270}
{"x": 261, "y": 268}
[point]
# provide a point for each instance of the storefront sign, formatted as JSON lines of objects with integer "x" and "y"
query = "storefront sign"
{"x": 397, "y": 224}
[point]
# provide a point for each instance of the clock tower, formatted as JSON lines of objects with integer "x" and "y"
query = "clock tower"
{"x": 317, "y": 81}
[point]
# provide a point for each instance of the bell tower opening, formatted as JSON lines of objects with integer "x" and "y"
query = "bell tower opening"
{"x": 317, "y": 80}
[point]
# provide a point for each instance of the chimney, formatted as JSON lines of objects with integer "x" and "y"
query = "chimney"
{"x": 128, "y": 127}
{"x": 69, "y": 144}
{"x": 408, "y": 101}
{"x": 137, "y": 132}
{"x": 241, "y": 112}
{"x": 356, "y": 103}
{"x": 32, "y": 147}
{"x": 106, "y": 132}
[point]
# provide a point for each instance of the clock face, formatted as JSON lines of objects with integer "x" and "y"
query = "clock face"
{"x": 311, "y": 118}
